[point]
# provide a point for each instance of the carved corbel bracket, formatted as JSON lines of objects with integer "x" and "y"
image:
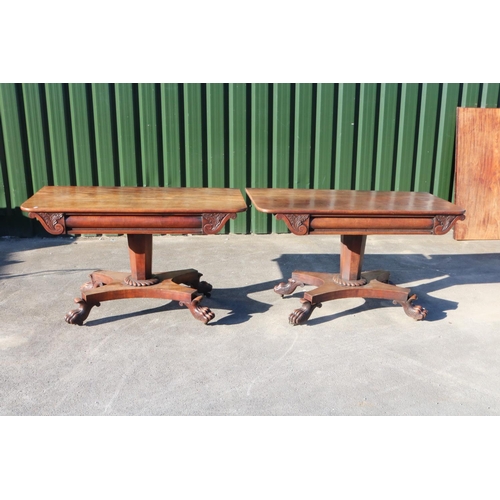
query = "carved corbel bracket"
{"x": 52, "y": 222}
{"x": 297, "y": 223}
{"x": 443, "y": 223}
{"x": 212, "y": 223}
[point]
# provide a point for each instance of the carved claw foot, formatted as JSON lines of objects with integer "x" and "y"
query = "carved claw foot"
{"x": 79, "y": 315}
{"x": 413, "y": 310}
{"x": 199, "y": 312}
{"x": 287, "y": 288}
{"x": 301, "y": 315}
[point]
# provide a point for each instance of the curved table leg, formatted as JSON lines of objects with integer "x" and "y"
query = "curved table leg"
{"x": 288, "y": 287}
{"x": 303, "y": 313}
{"x": 415, "y": 311}
{"x": 80, "y": 314}
{"x": 201, "y": 313}
{"x": 194, "y": 282}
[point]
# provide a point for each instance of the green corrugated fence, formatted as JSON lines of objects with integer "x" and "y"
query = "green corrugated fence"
{"x": 303, "y": 135}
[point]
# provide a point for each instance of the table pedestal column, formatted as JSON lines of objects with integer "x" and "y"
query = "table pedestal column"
{"x": 140, "y": 250}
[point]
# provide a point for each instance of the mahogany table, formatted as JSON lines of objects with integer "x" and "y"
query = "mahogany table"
{"x": 138, "y": 212}
{"x": 353, "y": 215}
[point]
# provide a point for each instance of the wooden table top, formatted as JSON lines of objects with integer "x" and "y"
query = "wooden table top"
{"x": 350, "y": 203}
{"x": 134, "y": 200}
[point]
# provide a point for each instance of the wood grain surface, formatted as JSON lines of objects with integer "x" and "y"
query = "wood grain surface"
{"x": 346, "y": 202}
{"x": 478, "y": 173}
{"x": 134, "y": 200}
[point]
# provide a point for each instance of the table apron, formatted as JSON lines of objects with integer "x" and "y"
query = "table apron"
{"x": 71, "y": 223}
{"x": 372, "y": 225}
{"x": 152, "y": 224}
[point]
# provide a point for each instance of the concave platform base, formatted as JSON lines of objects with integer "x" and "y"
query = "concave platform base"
{"x": 328, "y": 288}
{"x": 184, "y": 286}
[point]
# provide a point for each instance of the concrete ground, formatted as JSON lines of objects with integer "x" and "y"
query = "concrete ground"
{"x": 150, "y": 357}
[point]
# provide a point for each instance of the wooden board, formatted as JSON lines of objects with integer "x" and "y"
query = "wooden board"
{"x": 477, "y": 164}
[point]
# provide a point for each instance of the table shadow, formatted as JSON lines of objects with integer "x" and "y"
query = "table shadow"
{"x": 12, "y": 247}
{"x": 424, "y": 274}
{"x": 237, "y": 301}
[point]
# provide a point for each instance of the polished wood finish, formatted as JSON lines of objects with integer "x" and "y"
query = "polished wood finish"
{"x": 133, "y": 210}
{"x": 353, "y": 215}
{"x": 140, "y": 248}
{"x": 477, "y": 164}
{"x": 134, "y": 200}
{"x": 352, "y": 249}
{"x": 139, "y": 213}
{"x": 328, "y": 211}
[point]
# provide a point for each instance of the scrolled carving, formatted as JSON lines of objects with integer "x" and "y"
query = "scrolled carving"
{"x": 412, "y": 310}
{"x": 52, "y": 222}
{"x": 212, "y": 223}
{"x": 288, "y": 287}
{"x": 297, "y": 223}
{"x": 443, "y": 223}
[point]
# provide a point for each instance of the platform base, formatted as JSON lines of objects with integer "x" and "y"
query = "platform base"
{"x": 371, "y": 284}
{"x": 183, "y": 286}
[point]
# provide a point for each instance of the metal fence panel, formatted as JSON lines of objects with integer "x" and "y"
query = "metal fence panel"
{"x": 194, "y": 134}
{"x": 346, "y": 120}
{"x": 59, "y": 143}
{"x": 444, "y": 166}
{"x": 238, "y": 147}
{"x": 324, "y": 138}
{"x": 260, "y": 150}
{"x": 388, "y": 98}
{"x": 104, "y": 126}
{"x": 128, "y": 147}
{"x": 83, "y": 147}
{"x": 426, "y": 134}
{"x": 15, "y": 164}
{"x": 366, "y": 133}
{"x": 381, "y": 136}
{"x": 171, "y": 135}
